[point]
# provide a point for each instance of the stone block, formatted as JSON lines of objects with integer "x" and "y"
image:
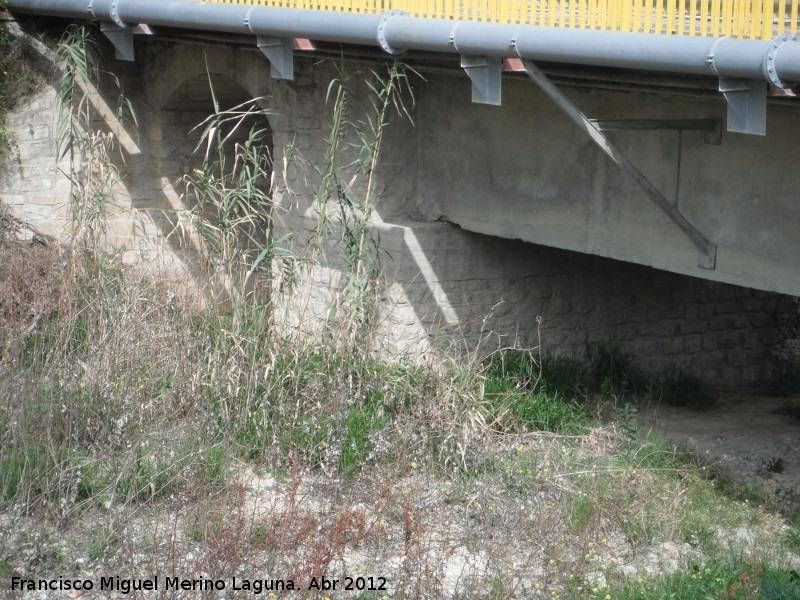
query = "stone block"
{"x": 737, "y": 358}
{"x": 12, "y": 199}
{"x": 673, "y": 345}
{"x": 167, "y": 167}
{"x": 645, "y": 348}
{"x": 29, "y": 171}
{"x": 41, "y": 200}
{"x": 761, "y": 320}
{"x": 768, "y": 337}
{"x": 41, "y": 132}
{"x": 646, "y": 300}
{"x": 692, "y": 344}
{"x": 728, "y": 307}
{"x": 692, "y": 327}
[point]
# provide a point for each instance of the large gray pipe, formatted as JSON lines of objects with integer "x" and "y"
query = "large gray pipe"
{"x": 778, "y": 62}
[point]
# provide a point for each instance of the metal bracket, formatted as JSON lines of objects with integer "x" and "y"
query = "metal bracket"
{"x": 747, "y": 104}
{"x": 485, "y": 73}
{"x": 280, "y": 53}
{"x": 121, "y": 38}
{"x": 707, "y": 257}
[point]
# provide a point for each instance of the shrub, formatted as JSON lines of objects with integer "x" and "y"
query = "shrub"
{"x": 615, "y": 371}
{"x": 19, "y": 78}
{"x": 564, "y": 376}
{"x": 785, "y": 378}
{"x": 678, "y": 388}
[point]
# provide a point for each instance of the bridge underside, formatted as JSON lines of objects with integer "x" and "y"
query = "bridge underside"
{"x": 525, "y": 171}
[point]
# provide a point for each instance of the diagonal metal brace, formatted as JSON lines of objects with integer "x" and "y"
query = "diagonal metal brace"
{"x": 708, "y": 252}
{"x": 280, "y": 53}
{"x": 485, "y": 73}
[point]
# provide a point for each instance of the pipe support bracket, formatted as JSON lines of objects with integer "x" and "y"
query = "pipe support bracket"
{"x": 121, "y": 38}
{"x": 485, "y": 72}
{"x": 280, "y": 54}
{"x": 747, "y": 104}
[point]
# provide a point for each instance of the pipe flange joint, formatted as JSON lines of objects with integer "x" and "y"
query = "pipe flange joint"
{"x": 768, "y": 65}
{"x": 103, "y": 10}
{"x": 385, "y": 18}
{"x": 114, "y": 12}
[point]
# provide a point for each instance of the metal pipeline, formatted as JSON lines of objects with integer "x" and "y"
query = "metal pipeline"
{"x": 777, "y": 61}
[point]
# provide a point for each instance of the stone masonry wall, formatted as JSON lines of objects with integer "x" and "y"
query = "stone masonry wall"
{"x": 444, "y": 288}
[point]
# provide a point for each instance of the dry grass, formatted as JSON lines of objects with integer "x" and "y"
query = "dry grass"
{"x": 145, "y": 437}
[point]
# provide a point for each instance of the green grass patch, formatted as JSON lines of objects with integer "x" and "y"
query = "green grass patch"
{"x": 723, "y": 580}
{"x": 553, "y": 375}
{"x": 527, "y": 396}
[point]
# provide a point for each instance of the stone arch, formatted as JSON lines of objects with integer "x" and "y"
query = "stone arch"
{"x": 189, "y": 105}
{"x": 174, "y": 131}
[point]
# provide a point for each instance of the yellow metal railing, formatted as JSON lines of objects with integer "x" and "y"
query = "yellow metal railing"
{"x": 753, "y": 19}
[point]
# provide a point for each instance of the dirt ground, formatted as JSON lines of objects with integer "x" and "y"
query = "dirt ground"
{"x": 749, "y": 436}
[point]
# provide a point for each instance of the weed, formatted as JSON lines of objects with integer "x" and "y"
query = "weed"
{"x": 19, "y": 78}
{"x": 564, "y": 376}
{"x": 104, "y": 543}
{"x": 780, "y": 584}
{"x": 792, "y": 536}
{"x": 526, "y": 397}
{"x": 616, "y": 370}
{"x": 729, "y": 579}
{"x": 231, "y": 200}
{"x": 580, "y": 511}
{"x": 792, "y": 409}
{"x": 678, "y": 388}
{"x": 542, "y": 412}
{"x": 785, "y": 377}
{"x": 657, "y": 454}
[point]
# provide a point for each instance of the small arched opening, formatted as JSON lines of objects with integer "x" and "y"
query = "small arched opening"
{"x": 217, "y": 143}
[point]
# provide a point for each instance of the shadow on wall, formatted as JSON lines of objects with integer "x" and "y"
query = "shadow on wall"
{"x": 506, "y": 292}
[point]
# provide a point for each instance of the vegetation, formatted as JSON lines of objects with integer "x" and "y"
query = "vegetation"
{"x": 729, "y": 579}
{"x": 20, "y": 76}
{"x": 156, "y": 431}
{"x": 786, "y": 377}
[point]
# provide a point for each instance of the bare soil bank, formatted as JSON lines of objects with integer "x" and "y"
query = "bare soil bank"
{"x": 750, "y": 436}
